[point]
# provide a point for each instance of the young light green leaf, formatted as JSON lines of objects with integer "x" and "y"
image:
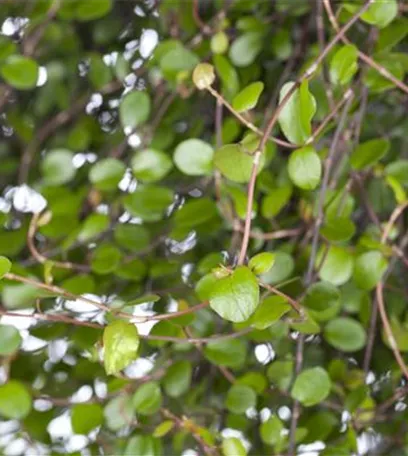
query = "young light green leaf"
{"x": 121, "y": 343}
{"x": 337, "y": 266}
{"x": 261, "y": 262}
{"x": 369, "y": 153}
{"x": 20, "y": 72}
{"x": 305, "y": 168}
{"x": 245, "y": 49}
{"x": 269, "y": 312}
{"x": 150, "y": 165}
{"x": 232, "y": 446}
{"x": 5, "y": 266}
{"x": 15, "y": 400}
{"x": 312, "y": 386}
{"x": 343, "y": 65}
{"x": 345, "y": 334}
{"x": 271, "y": 431}
{"x": 296, "y": 116}
{"x": 236, "y": 297}
{"x": 368, "y": 269}
{"x": 203, "y": 75}
{"x": 381, "y": 13}
{"x": 248, "y": 97}
{"x": 134, "y": 109}
{"x": 219, "y": 43}
{"x": 163, "y": 428}
{"x": 193, "y": 157}
{"x": 10, "y": 340}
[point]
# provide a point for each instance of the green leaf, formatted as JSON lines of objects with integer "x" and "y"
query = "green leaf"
{"x": 10, "y": 340}
{"x": 234, "y": 162}
{"x": 246, "y": 48}
{"x": 143, "y": 445}
{"x": 337, "y": 266}
{"x": 57, "y": 167}
{"x": 232, "y": 446}
{"x": 381, "y": 13}
{"x": 345, "y": 334}
{"x": 399, "y": 170}
{"x": 219, "y": 43}
{"x": 271, "y": 431}
{"x": 229, "y": 353}
{"x": 323, "y": 300}
{"x": 280, "y": 374}
{"x": 107, "y": 173}
{"x": 343, "y": 65}
{"x": 391, "y": 35}
{"x": 337, "y": 229}
{"x": 369, "y": 269}
{"x": 305, "y": 168}
{"x": 119, "y": 412}
{"x": 276, "y": 200}
{"x": 195, "y": 213}
{"x": 121, "y": 343}
{"x": 378, "y": 83}
{"x": 227, "y": 73}
{"x": 248, "y": 97}
{"x": 99, "y": 73}
{"x": 20, "y": 72}
{"x": 131, "y": 236}
{"x": 177, "y": 60}
{"x": 261, "y": 262}
{"x": 193, "y": 157}
{"x": 5, "y": 266}
{"x": 281, "y": 270}
{"x": 15, "y": 400}
{"x": 236, "y": 297}
{"x": 134, "y": 109}
{"x": 149, "y": 202}
{"x": 312, "y": 386}
{"x": 93, "y": 9}
{"x": 296, "y": 116}
{"x": 147, "y": 399}
{"x": 105, "y": 259}
{"x": 163, "y": 428}
{"x": 177, "y": 380}
{"x": 150, "y": 165}
{"x": 269, "y": 312}
{"x": 86, "y": 417}
{"x": 240, "y": 398}
{"x": 93, "y": 225}
{"x": 369, "y": 153}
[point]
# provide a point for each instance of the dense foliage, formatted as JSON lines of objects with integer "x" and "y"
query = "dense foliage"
{"x": 203, "y": 237}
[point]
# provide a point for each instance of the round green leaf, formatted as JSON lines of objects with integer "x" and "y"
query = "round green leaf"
{"x": 337, "y": 229}
{"x": 219, "y": 43}
{"x": 322, "y": 297}
{"x": 10, "y": 340}
{"x": 86, "y": 417}
{"x": 369, "y": 269}
{"x": 381, "y": 13}
{"x": 5, "y": 266}
{"x": 234, "y": 162}
{"x": 312, "y": 386}
{"x": 93, "y": 9}
{"x": 369, "y": 153}
{"x": 107, "y": 173}
{"x": 236, "y": 297}
{"x": 248, "y": 97}
{"x": 131, "y": 236}
{"x": 337, "y": 266}
{"x": 105, "y": 259}
{"x": 15, "y": 400}
{"x": 193, "y": 157}
{"x": 230, "y": 353}
{"x": 121, "y": 343}
{"x": 240, "y": 398}
{"x": 147, "y": 399}
{"x": 134, "y": 109}
{"x": 269, "y": 311}
{"x": 305, "y": 168}
{"x": 57, "y": 167}
{"x": 150, "y": 165}
{"x": 149, "y": 202}
{"x": 245, "y": 49}
{"x": 20, "y": 72}
{"x": 261, "y": 262}
{"x": 177, "y": 380}
{"x": 271, "y": 431}
{"x": 345, "y": 334}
